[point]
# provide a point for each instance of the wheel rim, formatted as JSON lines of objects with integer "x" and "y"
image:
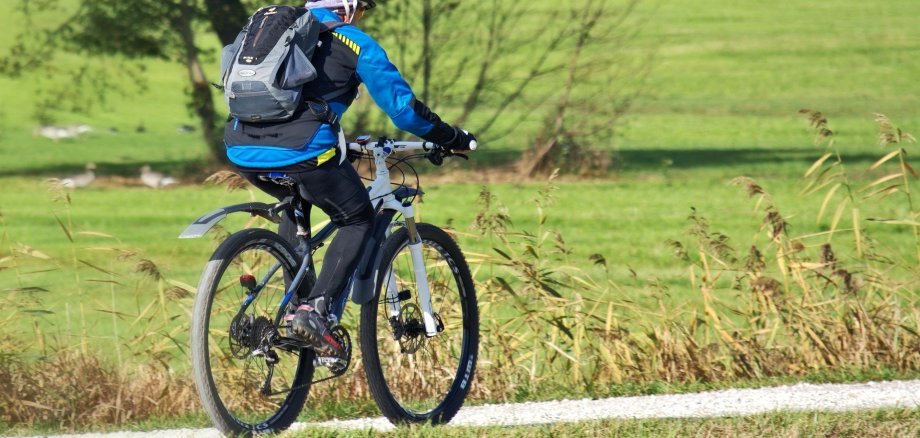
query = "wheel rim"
{"x": 239, "y": 375}
{"x": 421, "y": 372}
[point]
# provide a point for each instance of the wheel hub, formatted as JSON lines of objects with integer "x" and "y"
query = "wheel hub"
{"x": 410, "y": 330}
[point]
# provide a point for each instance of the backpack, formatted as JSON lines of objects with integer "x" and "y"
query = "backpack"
{"x": 265, "y": 69}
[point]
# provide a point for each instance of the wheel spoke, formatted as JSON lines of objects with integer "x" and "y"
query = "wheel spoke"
{"x": 262, "y": 389}
{"x": 422, "y": 374}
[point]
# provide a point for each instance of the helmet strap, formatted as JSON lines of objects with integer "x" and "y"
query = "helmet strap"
{"x": 349, "y": 12}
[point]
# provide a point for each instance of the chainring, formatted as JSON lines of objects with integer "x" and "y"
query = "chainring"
{"x": 344, "y": 339}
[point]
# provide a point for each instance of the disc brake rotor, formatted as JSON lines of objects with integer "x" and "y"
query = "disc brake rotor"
{"x": 413, "y": 329}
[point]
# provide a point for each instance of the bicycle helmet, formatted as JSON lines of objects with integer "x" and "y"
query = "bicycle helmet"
{"x": 348, "y": 9}
{"x": 341, "y": 5}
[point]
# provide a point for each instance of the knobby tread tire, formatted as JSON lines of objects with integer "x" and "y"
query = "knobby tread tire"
{"x": 460, "y": 387}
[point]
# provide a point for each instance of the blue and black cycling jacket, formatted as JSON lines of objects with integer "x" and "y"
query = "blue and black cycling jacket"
{"x": 345, "y": 58}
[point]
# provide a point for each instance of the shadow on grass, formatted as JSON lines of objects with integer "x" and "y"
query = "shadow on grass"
{"x": 177, "y": 168}
{"x": 628, "y": 159}
{"x": 621, "y": 160}
{"x": 635, "y": 160}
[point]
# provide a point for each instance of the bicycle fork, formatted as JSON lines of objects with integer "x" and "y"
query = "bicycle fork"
{"x": 421, "y": 279}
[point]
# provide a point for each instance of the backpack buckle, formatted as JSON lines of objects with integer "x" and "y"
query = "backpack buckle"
{"x": 320, "y": 108}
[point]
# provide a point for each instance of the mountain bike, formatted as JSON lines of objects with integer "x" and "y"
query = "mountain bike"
{"x": 419, "y": 321}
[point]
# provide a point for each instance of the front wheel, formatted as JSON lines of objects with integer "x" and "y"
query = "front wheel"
{"x": 412, "y": 377}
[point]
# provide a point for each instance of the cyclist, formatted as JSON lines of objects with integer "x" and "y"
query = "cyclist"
{"x": 305, "y": 148}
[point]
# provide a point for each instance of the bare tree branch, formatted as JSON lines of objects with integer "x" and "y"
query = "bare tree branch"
{"x": 535, "y": 72}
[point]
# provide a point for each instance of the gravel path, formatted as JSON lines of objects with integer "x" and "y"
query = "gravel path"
{"x": 731, "y": 402}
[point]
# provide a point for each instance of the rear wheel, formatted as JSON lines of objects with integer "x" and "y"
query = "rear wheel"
{"x": 249, "y": 381}
{"x": 412, "y": 377}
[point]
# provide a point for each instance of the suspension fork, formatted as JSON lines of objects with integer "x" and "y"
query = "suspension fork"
{"x": 421, "y": 276}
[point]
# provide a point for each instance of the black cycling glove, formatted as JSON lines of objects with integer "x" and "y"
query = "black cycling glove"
{"x": 442, "y": 134}
{"x": 461, "y": 140}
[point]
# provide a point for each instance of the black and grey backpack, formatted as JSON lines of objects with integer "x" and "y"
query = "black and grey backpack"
{"x": 265, "y": 69}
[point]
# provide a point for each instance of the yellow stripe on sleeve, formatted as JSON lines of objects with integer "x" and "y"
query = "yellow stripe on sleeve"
{"x": 351, "y": 44}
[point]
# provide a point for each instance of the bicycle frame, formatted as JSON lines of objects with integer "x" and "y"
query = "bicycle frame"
{"x": 363, "y": 280}
{"x": 386, "y": 202}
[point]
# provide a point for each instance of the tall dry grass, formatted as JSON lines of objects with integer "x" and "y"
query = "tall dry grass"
{"x": 73, "y": 389}
{"x": 779, "y": 305}
{"x": 63, "y": 373}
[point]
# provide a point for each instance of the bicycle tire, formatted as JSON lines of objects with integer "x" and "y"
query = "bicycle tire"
{"x": 280, "y": 415}
{"x": 400, "y": 408}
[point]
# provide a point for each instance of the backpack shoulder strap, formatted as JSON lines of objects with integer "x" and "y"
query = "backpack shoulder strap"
{"x": 329, "y": 26}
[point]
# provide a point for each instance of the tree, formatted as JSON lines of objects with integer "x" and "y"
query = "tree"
{"x": 465, "y": 55}
{"x": 226, "y": 18}
{"x": 135, "y": 30}
{"x": 559, "y": 75}
{"x": 501, "y": 69}
{"x": 567, "y": 129}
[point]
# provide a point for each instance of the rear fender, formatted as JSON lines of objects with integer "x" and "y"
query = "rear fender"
{"x": 204, "y": 224}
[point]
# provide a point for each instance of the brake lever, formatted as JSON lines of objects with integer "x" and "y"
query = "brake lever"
{"x": 437, "y": 155}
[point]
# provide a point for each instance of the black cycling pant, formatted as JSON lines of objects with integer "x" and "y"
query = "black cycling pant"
{"x": 338, "y": 191}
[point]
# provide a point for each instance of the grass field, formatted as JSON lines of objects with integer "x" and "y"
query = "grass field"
{"x": 731, "y": 76}
{"x": 720, "y": 101}
{"x": 627, "y": 222}
{"x": 892, "y": 422}
{"x": 880, "y": 423}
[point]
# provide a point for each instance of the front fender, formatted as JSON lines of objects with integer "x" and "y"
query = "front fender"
{"x": 203, "y": 224}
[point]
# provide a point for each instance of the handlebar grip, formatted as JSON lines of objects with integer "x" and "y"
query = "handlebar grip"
{"x": 473, "y": 144}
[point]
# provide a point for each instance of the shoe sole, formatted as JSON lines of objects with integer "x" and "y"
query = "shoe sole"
{"x": 319, "y": 343}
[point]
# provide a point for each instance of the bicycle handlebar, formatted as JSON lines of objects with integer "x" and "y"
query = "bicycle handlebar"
{"x": 435, "y": 153}
{"x": 404, "y": 145}
{"x": 396, "y": 145}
